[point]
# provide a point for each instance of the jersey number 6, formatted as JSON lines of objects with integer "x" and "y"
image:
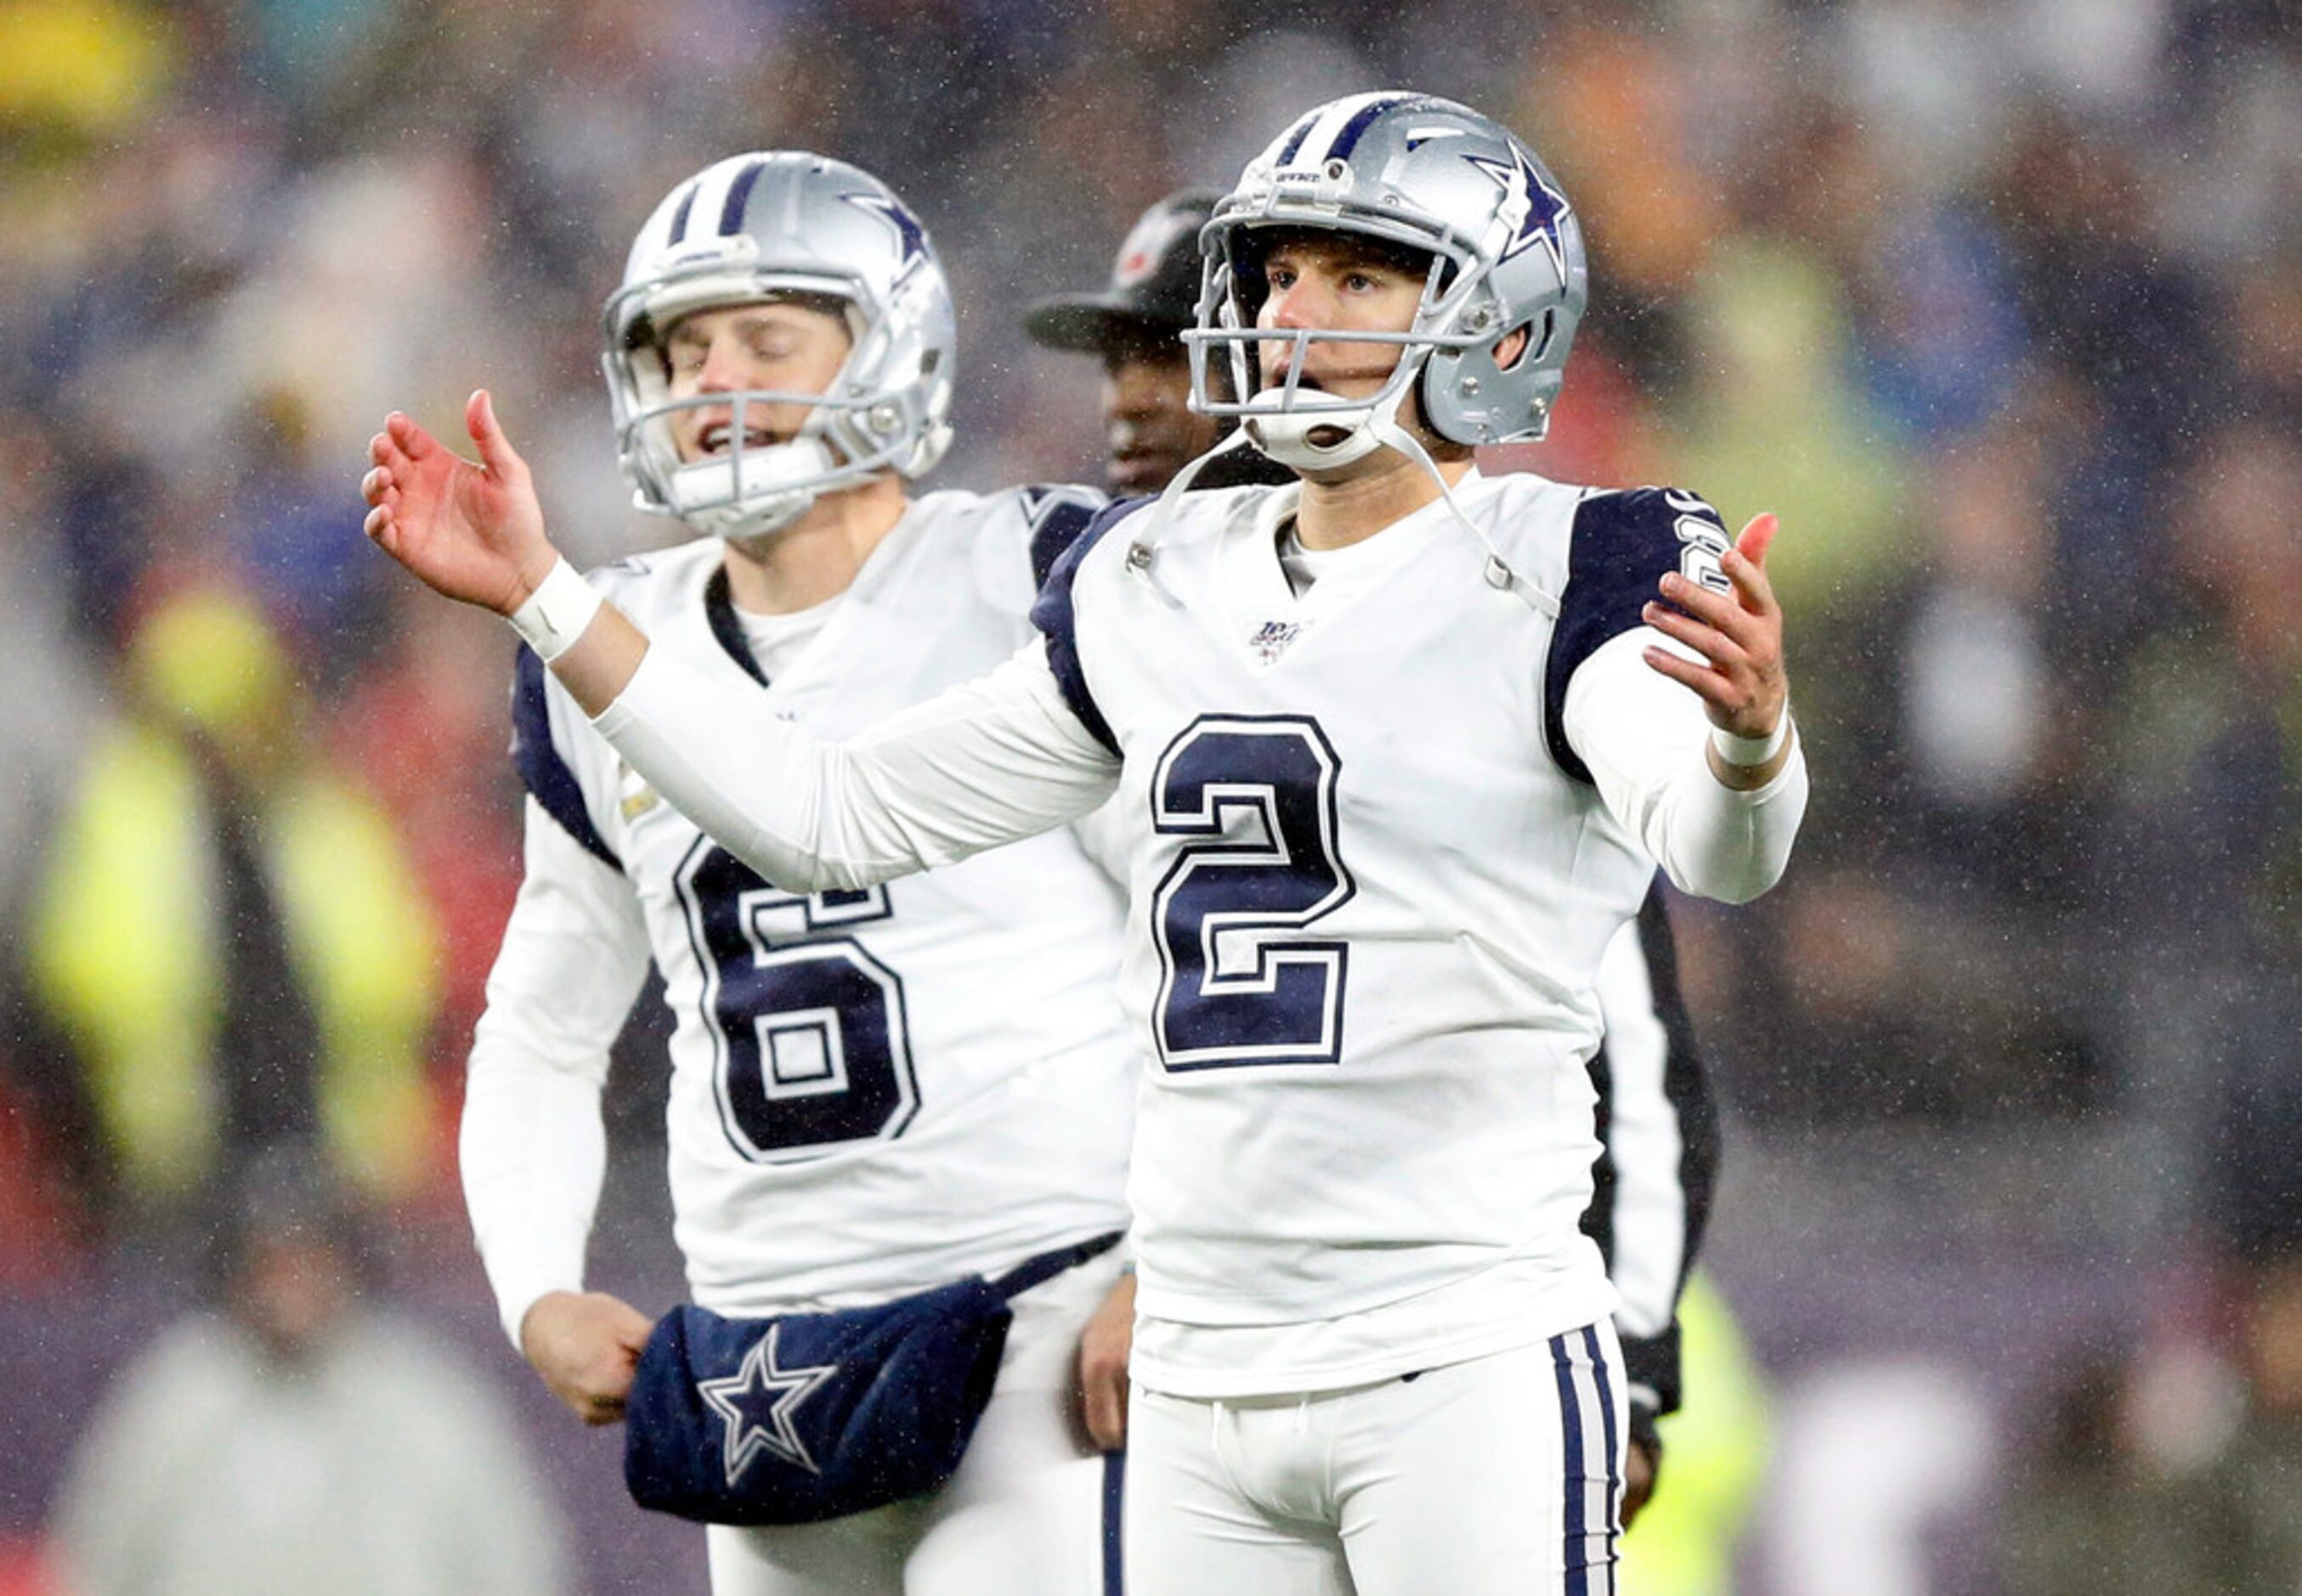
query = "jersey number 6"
{"x": 809, "y": 1032}
{"x": 1238, "y": 984}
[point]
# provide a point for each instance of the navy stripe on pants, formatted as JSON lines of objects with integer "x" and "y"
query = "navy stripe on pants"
{"x": 1114, "y": 1495}
{"x": 1585, "y": 1383}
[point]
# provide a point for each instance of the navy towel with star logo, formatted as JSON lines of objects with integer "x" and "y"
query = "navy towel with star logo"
{"x": 809, "y": 1416}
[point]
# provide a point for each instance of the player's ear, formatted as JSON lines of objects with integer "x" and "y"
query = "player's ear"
{"x": 1509, "y": 347}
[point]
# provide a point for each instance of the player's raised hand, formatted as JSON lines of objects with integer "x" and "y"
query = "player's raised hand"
{"x": 586, "y": 1346}
{"x": 1741, "y": 679}
{"x": 1102, "y": 1349}
{"x": 472, "y": 531}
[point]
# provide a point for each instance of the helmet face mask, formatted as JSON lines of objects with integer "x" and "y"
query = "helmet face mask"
{"x": 789, "y": 226}
{"x": 1311, "y": 427}
{"x": 1423, "y": 174}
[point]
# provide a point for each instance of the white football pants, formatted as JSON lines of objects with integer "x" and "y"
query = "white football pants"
{"x": 1032, "y": 1510}
{"x": 1501, "y": 1476}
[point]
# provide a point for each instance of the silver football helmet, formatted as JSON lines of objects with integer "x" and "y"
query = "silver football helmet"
{"x": 1433, "y": 176}
{"x": 759, "y": 227}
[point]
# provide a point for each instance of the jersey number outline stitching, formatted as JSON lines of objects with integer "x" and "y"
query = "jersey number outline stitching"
{"x": 811, "y": 1040}
{"x": 1702, "y": 542}
{"x": 1256, "y": 793}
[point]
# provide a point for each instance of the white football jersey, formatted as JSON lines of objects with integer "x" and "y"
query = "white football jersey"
{"x": 1379, "y": 836}
{"x": 1369, "y": 908}
{"x": 875, "y": 1091}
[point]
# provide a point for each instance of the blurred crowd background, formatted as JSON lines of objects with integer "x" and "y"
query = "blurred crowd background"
{"x": 1999, "y": 306}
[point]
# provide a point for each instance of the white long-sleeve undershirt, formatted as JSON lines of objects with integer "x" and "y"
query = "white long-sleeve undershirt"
{"x": 990, "y": 761}
{"x": 533, "y": 1149}
{"x": 1004, "y": 757}
{"x": 1645, "y": 739}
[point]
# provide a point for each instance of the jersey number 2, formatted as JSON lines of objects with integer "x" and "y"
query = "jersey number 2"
{"x": 812, "y": 1049}
{"x": 1240, "y": 984}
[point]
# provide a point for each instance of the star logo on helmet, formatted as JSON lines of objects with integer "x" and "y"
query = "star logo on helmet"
{"x": 756, "y": 1404}
{"x": 1546, "y": 207}
{"x": 911, "y": 236}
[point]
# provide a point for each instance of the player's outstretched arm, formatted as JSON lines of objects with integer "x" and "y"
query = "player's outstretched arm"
{"x": 985, "y": 763}
{"x": 474, "y": 531}
{"x": 1741, "y": 678}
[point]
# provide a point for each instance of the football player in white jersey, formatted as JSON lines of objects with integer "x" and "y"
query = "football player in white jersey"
{"x": 873, "y": 1092}
{"x": 1401, "y": 749}
{"x": 1657, "y": 1125}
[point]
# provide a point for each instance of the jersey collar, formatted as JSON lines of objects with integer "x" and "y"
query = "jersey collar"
{"x": 720, "y": 610}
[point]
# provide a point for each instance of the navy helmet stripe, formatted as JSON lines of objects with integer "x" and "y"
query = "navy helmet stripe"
{"x": 679, "y": 217}
{"x": 1348, "y": 139}
{"x": 1295, "y": 139}
{"x": 739, "y": 197}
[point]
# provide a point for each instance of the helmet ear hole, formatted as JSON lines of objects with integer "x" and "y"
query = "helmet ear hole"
{"x": 1536, "y": 335}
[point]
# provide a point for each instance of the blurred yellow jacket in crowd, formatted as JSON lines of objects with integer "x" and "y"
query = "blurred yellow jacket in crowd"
{"x": 94, "y": 66}
{"x": 1714, "y": 1460}
{"x": 133, "y": 943}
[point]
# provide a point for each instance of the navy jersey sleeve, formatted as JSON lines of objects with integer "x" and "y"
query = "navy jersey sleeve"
{"x": 542, "y": 771}
{"x": 1053, "y": 616}
{"x": 1621, "y": 546}
{"x": 1057, "y": 517}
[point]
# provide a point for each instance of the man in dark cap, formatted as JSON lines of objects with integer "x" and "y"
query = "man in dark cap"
{"x": 1150, "y": 430}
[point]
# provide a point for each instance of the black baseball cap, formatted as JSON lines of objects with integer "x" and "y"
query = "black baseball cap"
{"x": 1155, "y": 284}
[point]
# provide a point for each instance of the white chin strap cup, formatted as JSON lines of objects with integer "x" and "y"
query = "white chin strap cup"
{"x": 1285, "y": 437}
{"x": 1284, "y": 433}
{"x": 752, "y": 491}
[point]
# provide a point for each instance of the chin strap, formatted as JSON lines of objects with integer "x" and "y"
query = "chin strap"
{"x": 1382, "y": 422}
{"x": 1286, "y": 432}
{"x": 1499, "y": 573}
{"x": 759, "y": 488}
{"x": 1154, "y": 520}
{"x": 755, "y": 492}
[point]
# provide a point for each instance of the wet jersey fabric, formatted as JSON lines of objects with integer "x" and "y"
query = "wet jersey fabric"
{"x": 871, "y": 1092}
{"x": 1370, "y": 908}
{"x": 1377, "y": 836}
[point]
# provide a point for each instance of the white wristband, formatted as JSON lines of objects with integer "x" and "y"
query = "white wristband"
{"x": 556, "y": 612}
{"x": 1751, "y": 753}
